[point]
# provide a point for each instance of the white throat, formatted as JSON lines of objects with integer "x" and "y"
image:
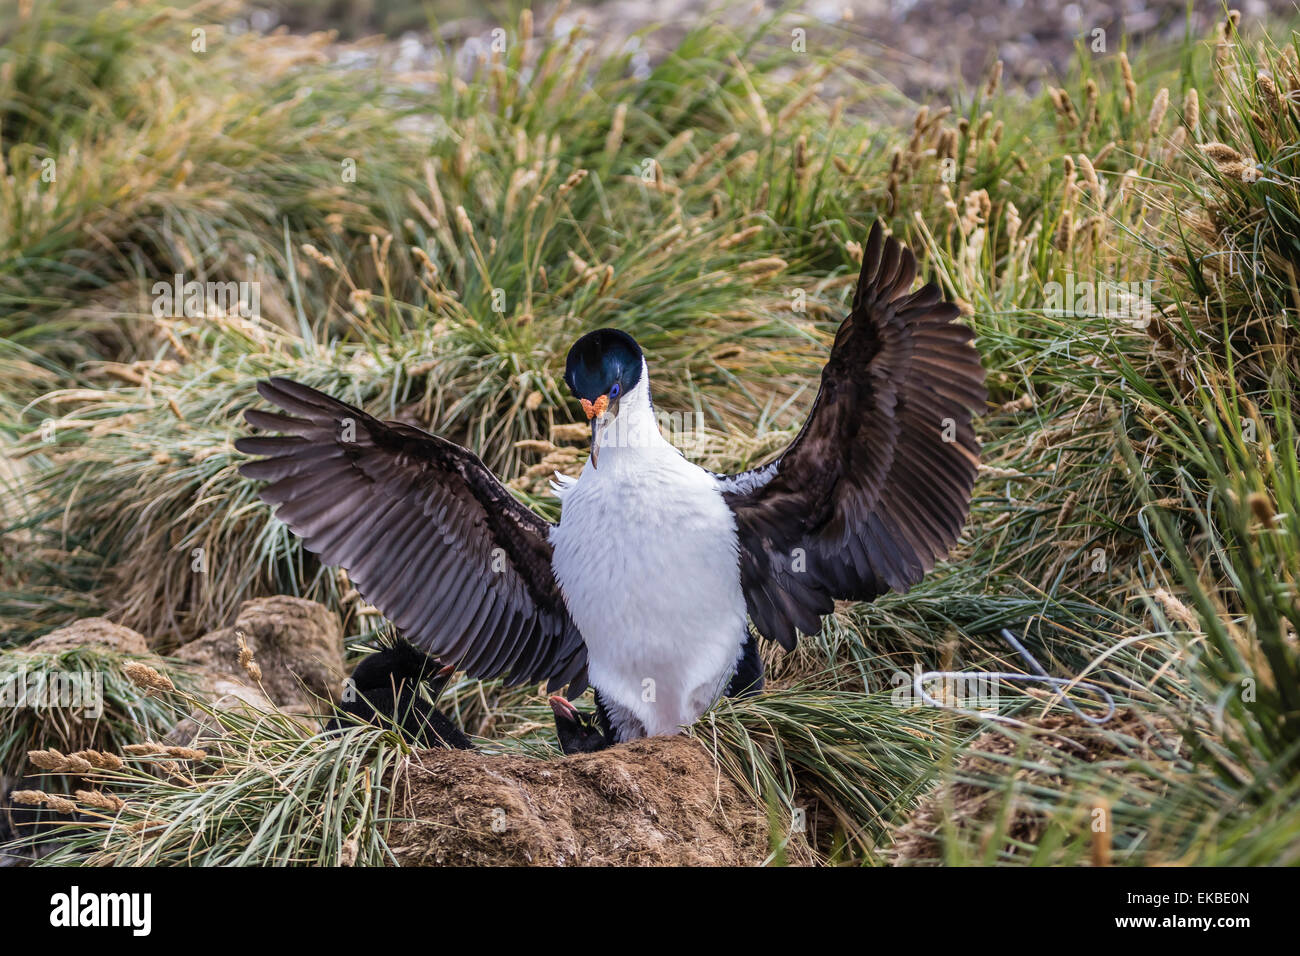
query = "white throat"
{"x": 632, "y": 433}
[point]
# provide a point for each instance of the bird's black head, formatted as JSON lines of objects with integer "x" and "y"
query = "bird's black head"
{"x": 578, "y": 733}
{"x": 387, "y": 689}
{"x": 397, "y": 664}
{"x": 602, "y": 365}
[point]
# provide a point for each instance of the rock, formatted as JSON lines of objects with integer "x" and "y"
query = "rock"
{"x": 222, "y": 694}
{"x": 660, "y": 801}
{"x": 92, "y": 631}
{"x": 298, "y": 644}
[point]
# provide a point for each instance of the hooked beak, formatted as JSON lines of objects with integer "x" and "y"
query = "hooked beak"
{"x": 594, "y": 412}
{"x": 562, "y": 708}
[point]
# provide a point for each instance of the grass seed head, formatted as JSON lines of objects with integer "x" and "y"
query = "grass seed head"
{"x": 1268, "y": 92}
{"x": 1130, "y": 87}
{"x": 100, "y": 760}
{"x": 1176, "y": 610}
{"x": 143, "y": 749}
{"x": 100, "y": 799}
{"x": 56, "y": 762}
{"x": 144, "y": 676}
{"x": 1262, "y": 508}
{"x": 995, "y": 77}
{"x": 1192, "y": 109}
{"x": 1158, "y": 108}
{"x": 186, "y": 753}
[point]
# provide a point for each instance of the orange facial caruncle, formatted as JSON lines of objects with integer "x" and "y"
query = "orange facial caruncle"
{"x": 598, "y": 407}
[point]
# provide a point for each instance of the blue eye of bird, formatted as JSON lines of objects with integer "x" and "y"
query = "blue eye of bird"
{"x": 613, "y": 392}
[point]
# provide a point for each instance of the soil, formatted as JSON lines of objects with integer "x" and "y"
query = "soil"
{"x": 660, "y": 801}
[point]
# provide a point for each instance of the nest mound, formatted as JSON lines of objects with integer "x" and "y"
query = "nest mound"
{"x": 92, "y": 632}
{"x": 297, "y": 643}
{"x": 660, "y": 801}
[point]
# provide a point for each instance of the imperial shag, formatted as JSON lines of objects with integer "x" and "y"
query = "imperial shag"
{"x": 649, "y": 584}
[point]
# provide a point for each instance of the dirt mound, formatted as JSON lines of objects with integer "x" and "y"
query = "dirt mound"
{"x": 92, "y": 631}
{"x": 655, "y": 802}
{"x": 976, "y": 795}
{"x": 298, "y": 644}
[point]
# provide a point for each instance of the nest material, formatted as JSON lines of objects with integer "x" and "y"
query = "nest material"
{"x": 972, "y": 797}
{"x": 654, "y": 802}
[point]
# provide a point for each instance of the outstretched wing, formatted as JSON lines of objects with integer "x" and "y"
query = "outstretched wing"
{"x": 877, "y": 485}
{"x": 426, "y": 532}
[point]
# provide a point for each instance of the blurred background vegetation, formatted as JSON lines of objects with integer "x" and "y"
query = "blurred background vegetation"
{"x": 1137, "y": 520}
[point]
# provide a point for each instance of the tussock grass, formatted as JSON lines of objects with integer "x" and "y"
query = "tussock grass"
{"x": 270, "y": 791}
{"x": 1133, "y": 520}
{"x": 830, "y": 763}
{"x": 111, "y": 712}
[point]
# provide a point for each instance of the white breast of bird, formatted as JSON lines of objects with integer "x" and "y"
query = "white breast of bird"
{"x": 646, "y": 556}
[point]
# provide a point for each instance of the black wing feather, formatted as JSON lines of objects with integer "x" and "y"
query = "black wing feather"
{"x": 876, "y": 486}
{"x": 426, "y": 532}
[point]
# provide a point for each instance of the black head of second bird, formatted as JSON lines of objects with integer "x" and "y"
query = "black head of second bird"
{"x": 580, "y": 732}
{"x": 385, "y": 689}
